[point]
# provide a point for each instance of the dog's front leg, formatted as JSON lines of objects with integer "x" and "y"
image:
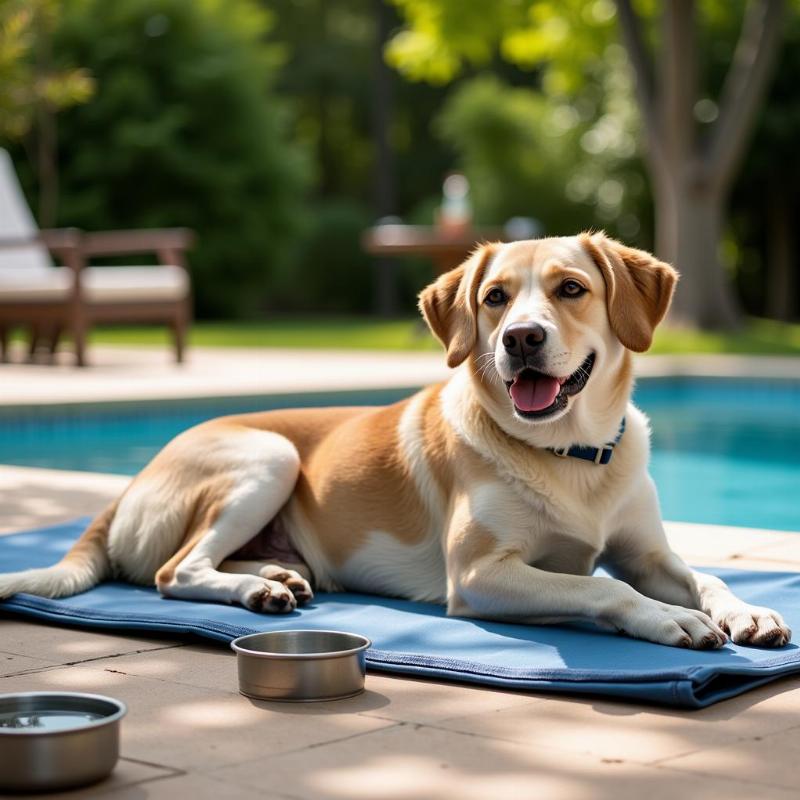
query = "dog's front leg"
{"x": 489, "y": 579}
{"x": 640, "y": 555}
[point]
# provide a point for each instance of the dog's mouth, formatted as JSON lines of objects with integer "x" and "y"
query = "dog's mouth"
{"x": 536, "y": 394}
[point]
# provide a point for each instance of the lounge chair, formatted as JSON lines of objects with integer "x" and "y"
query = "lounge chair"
{"x": 51, "y": 300}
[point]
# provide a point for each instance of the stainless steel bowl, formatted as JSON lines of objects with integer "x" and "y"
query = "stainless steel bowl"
{"x": 301, "y": 666}
{"x": 57, "y": 740}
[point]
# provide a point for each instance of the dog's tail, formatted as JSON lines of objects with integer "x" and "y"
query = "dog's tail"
{"x": 85, "y": 565}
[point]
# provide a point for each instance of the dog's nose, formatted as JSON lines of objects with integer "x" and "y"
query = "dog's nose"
{"x": 523, "y": 338}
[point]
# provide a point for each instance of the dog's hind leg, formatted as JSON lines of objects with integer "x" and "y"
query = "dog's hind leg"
{"x": 261, "y": 475}
{"x": 296, "y": 583}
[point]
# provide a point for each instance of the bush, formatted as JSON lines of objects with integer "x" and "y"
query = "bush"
{"x": 329, "y": 271}
{"x": 568, "y": 166}
{"x": 184, "y": 129}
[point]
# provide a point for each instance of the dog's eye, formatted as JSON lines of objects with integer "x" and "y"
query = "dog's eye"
{"x": 496, "y": 297}
{"x": 571, "y": 289}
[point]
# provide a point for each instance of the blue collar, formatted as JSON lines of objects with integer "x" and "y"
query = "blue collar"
{"x": 599, "y": 455}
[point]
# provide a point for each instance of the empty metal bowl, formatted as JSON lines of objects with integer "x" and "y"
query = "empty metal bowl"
{"x": 301, "y": 666}
{"x": 57, "y": 740}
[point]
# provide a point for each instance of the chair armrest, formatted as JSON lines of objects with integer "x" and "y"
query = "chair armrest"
{"x": 53, "y": 239}
{"x": 56, "y": 239}
{"x": 168, "y": 244}
{"x": 65, "y": 243}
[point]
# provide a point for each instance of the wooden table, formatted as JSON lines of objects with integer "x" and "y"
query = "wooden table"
{"x": 446, "y": 250}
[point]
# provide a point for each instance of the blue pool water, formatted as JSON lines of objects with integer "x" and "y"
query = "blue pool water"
{"x": 724, "y": 451}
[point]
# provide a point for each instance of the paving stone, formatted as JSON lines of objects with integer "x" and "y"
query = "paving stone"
{"x": 637, "y": 733}
{"x": 60, "y": 645}
{"x": 127, "y": 775}
{"x": 12, "y": 663}
{"x": 196, "y": 787}
{"x": 32, "y": 498}
{"x": 408, "y": 762}
{"x": 714, "y": 544}
{"x": 192, "y": 728}
{"x": 770, "y": 760}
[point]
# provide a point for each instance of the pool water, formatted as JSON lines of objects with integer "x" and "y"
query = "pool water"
{"x": 724, "y": 451}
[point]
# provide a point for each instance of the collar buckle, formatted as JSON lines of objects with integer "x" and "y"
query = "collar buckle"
{"x": 597, "y": 455}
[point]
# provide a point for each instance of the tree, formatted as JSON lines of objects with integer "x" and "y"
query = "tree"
{"x": 184, "y": 129}
{"x": 691, "y": 170}
{"x": 528, "y": 156}
{"x": 350, "y": 116}
{"x": 32, "y": 91}
{"x": 767, "y": 194}
{"x": 692, "y": 175}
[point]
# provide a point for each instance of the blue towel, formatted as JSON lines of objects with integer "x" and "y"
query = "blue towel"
{"x": 418, "y": 639}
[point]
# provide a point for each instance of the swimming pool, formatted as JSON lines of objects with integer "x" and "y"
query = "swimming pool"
{"x": 725, "y": 451}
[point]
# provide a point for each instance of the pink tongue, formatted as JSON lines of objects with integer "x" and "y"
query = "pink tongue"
{"x": 534, "y": 394}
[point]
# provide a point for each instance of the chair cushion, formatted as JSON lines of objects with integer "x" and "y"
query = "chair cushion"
{"x": 100, "y": 284}
{"x": 124, "y": 284}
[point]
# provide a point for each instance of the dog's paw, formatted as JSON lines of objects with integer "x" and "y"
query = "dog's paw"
{"x": 675, "y": 626}
{"x": 293, "y": 581}
{"x": 754, "y": 626}
{"x": 268, "y": 597}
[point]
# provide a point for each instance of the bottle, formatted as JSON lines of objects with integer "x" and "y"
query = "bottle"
{"x": 455, "y": 212}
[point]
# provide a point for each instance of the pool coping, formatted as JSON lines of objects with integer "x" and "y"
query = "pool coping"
{"x": 355, "y": 396}
{"x": 343, "y": 373}
{"x": 333, "y": 396}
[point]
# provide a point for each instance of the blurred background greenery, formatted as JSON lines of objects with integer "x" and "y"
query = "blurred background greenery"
{"x": 280, "y": 129}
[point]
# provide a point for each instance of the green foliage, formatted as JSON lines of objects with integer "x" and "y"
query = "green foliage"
{"x": 328, "y": 54}
{"x": 329, "y": 271}
{"x": 757, "y": 336}
{"x": 575, "y": 124}
{"x": 561, "y": 149}
{"x": 768, "y": 189}
{"x": 184, "y": 129}
{"x": 443, "y": 37}
{"x": 328, "y": 74}
{"x": 513, "y": 155}
{"x": 27, "y": 81}
{"x": 526, "y": 155}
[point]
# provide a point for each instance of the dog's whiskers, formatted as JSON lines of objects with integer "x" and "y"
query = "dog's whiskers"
{"x": 483, "y": 368}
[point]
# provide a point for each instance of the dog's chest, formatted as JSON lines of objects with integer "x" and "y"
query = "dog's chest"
{"x": 556, "y": 526}
{"x": 556, "y": 552}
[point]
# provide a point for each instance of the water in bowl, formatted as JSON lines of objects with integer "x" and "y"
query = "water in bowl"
{"x": 50, "y": 720}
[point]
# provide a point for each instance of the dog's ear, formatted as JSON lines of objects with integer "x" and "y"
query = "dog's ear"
{"x": 639, "y": 288}
{"x": 450, "y": 305}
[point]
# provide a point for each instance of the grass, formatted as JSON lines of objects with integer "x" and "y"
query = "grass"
{"x": 360, "y": 333}
{"x": 757, "y": 336}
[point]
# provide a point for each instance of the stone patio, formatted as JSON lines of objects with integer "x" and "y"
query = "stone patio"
{"x": 190, "y": 734}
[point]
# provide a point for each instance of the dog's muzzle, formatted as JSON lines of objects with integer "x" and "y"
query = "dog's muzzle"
{"x": 536, "y": 394}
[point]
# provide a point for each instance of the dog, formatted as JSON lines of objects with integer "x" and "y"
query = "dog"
{"x": 496, "y": 493}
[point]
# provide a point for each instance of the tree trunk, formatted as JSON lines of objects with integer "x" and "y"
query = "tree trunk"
{"x": 692, "y": 176}
{"x": 385, "y": 299}
{"x": 689, "y": 220}
{"x": 47, "y": 167}
{"x": 781, "y": 292}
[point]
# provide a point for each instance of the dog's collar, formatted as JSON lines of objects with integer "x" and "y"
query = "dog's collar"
{"x": 599, "y": 455}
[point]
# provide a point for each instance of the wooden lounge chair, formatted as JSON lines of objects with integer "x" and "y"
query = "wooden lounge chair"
{"x": 51, "y": 300}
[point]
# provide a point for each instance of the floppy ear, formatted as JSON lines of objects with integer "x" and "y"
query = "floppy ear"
{"x": 639, "y": 288}
{"x": 450, "y": 305}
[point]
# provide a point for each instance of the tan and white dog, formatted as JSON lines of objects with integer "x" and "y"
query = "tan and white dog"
{"x": 454, "y": 495}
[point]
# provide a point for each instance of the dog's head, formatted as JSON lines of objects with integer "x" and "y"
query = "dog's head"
{"x": 546, "y": 315}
